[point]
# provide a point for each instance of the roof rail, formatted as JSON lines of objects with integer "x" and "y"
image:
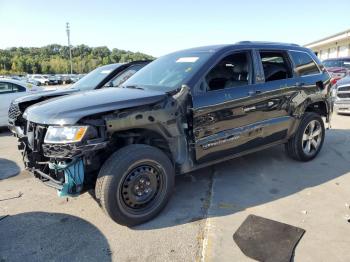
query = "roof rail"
{"x": 264, "y": 43}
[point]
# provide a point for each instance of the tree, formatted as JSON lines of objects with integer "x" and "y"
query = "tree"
{"x": 54, "y": 58}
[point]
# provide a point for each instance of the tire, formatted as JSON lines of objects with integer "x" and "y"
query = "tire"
{"x": 135, "y": 183}
{"x": 303, "y": 146}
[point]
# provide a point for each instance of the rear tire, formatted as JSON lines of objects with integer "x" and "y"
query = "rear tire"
{"x": 135, "y": 183}
{"x": 308, "y": 139}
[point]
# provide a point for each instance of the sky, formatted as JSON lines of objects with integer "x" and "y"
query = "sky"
{"x": 158, "y": 27}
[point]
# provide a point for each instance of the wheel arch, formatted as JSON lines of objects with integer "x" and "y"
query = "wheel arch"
{"x": 320, "y": 107}
{"x": 148, "y": 136}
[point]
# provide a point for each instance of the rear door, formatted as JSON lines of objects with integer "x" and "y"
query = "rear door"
{"x": 274, "y": 95}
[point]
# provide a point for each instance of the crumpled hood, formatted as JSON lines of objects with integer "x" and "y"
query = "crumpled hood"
{"x": 68, "y": 110}
{"x": 45, "y": 94}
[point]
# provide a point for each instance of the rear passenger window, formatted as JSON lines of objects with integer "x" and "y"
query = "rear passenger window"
{"x": 276, "y": 65}
{"x": 304, "y": 64}
{"x": 232, "y": 71}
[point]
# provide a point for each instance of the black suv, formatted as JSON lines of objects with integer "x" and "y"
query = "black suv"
{"x": 184, "y": 111}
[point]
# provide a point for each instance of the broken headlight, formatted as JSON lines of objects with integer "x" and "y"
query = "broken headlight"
{"x": 65, "y": 134}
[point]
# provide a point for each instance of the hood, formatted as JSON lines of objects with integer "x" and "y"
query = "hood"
{"x": 69, "y": 110}
{"x": 44, "y": 95}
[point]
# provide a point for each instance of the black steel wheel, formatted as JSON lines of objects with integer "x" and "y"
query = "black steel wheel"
{"x": 135, "y": 183}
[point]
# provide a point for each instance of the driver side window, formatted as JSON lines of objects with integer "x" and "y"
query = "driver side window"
{"x": 232, "y": 71}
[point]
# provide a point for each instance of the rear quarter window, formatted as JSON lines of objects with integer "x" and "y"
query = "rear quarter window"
{"x": 304, "y": 64}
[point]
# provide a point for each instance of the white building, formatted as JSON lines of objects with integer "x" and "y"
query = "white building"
{"x": 333, "y": 46}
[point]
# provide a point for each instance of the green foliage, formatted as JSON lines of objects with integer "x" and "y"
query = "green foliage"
{"x": 54, "y": 59}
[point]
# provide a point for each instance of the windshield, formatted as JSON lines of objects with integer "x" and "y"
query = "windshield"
{"x": 337, "y": 63}
{"x": 92, "y": 79}
{"x": 169, "y": 72}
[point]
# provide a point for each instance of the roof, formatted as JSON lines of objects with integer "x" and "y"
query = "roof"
{"x": 252, "y": 44}
{"x": 265, "y": 43}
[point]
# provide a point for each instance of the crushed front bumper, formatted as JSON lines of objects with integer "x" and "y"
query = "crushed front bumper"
{"x": 61, "y": 166}
{"x": 66, "y": 177}
{"x": 17, "y": 131}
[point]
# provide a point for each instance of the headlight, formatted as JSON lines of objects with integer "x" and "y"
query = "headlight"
{"x": 65, "y": 134}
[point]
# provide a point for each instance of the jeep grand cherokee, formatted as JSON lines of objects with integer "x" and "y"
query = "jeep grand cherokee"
{"x": 184, "y": 111}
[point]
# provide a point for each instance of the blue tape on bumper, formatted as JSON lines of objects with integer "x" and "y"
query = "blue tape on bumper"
{"x": 73, "y": 178}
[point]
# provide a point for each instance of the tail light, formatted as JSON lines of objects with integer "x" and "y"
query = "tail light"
{"x": 334, "y": 81}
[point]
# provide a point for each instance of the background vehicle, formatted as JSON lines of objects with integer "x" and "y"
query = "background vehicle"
{"x": 11, "y": 89}
{"x": 337, "y": 67}
{"x": 341, "y": 96}
{"x": 52, "y": 80}
{"x": 105, "y": 76}
{"x": 32, "y": 81}
{"x": 41, "y": 79}
{"x": 184, "y": 111}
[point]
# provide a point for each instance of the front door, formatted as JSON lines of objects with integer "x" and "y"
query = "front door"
{"x": 223, "y": 120}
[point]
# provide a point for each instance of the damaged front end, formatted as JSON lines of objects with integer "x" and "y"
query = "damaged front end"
{"x": 67, "y": 140}
{"x": 64, "y": 165}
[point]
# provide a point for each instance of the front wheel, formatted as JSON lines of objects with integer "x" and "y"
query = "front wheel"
{"x": 308, "y": 140}
{"x": 135, "y": 183}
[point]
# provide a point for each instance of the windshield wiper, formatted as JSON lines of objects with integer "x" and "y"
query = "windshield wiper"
{"x": 134, "y": 87}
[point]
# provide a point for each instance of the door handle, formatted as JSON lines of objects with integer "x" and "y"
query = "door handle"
{"x": 254, "y": 92}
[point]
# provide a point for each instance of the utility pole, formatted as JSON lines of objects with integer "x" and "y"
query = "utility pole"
{"x": 70, "y": 48}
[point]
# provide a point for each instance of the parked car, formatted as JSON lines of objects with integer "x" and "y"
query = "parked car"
{"x": 66, "y": 79}
{"x": 184, "y": 111}
{"x": 74, "y": 78}
{"x": 32, "y": 81}
{"x": 43, "y": 80}
{"x": 341, "y": 96}
{"x": 52, "y": 80}
{"x": 337, "y": 67}
{"x": 11, "y": 89}
{"x": 18, "y": 78}
{"x": 104, "y": 76}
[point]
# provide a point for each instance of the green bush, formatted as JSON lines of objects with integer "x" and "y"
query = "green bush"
{"x": 54, "y": 59}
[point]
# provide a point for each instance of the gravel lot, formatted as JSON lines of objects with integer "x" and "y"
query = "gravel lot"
{"x": 197, "y": 225}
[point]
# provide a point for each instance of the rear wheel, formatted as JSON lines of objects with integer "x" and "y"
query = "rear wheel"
{"x": 135, "y": 184}
{"x": 308, "y": 140}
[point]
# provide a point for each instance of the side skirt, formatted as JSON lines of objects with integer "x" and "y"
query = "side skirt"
{"x": 199, "y": 166}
